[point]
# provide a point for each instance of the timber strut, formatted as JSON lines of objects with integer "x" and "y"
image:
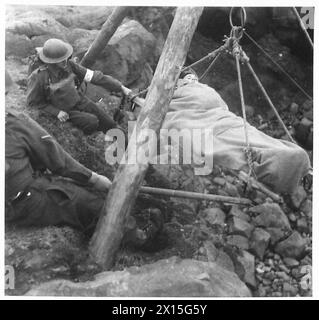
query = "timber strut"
{"x": 129, "y": 178}
{"x": 109, "y": 232}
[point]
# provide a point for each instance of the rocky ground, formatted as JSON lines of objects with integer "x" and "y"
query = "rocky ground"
{"x": 265, "y": 247}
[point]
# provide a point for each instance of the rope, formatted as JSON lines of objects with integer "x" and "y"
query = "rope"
{"x": 209, "y": 56}
{"x": 212, "y": 55}
{"x": 237, "y": 53}
{"x": 209, "y": 67}
{"x": 278, "y": 66}
{"x": 269, "y": 101}
{"x": 303, "y": 26}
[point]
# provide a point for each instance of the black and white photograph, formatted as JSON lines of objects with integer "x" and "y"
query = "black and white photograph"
{"x": 158, "y": 152}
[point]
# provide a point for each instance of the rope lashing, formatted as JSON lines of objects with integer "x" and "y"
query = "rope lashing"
{"x": 240, "y": 56}
{"x": 211, "y": 55}
{"x": 236, "y": 34}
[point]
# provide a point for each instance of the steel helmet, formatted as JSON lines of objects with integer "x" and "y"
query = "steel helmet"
{"x": 55, "y": 51}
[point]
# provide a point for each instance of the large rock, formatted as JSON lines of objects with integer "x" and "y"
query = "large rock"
{"x": 270, "y": 216}
{"x": 36, "y": 23}
{"x": 276, "y": 234}
{"x": 298, "y": 197}
{"x": 126, "y": 54}
{"x": 306, "y": 208}
{"x": 235, "y": 211}
{"x": 214, "y": 216}
{"x": 19, "y": 46}
{"x": 259, "y": 242}
{"x": 218, "y": 256}
{"x": 238, "y": 241}
{"x": 182, "y": 177}
{"x": 247, "y": 261}
{"x": 244, "y": 263}
{"x": 165, "y": 278}
{"x": 23, "y": 247}
{"x": 293, "y": 247}
{"x": 240, "y": 227}
{"x": 88, "y": 18}
{"x": 81, "y": 38}
{"x": 42, "y": 254}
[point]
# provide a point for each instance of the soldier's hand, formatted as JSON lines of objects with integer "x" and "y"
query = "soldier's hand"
{"x": 125, "y": 90}
{"x": 100, "y": 182}
{"x": 63, "y": 116}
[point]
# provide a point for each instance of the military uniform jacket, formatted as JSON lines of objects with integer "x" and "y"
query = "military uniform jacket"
{"x": 38, "y": 86}
{"x": 29, "y": 148}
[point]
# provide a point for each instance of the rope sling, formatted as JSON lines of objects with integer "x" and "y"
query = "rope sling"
{"x": 231, "y": 45}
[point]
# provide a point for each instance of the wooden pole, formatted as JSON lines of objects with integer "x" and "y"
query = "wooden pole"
{"x": 103, "y": 37}
{"x": 259, "y": 186}
{"x": 195, "y": 195}
{"x": 125, "y": 187}
{"x": 302, "y": 26}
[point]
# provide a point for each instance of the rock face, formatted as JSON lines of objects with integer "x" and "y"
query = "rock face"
{"x": 182, "y": 177}
{"x": 41, "y": 254}
{"x": 306, "y": 207}
{"x": 165, "y": 278}
{"x": 36, "y": 23}
{"x": 240, "y": 227}
{"x": 126, "y": 54}
{"x": 218, "y": 256}
{"x": 259, "y": 242}
{"x": 276, "y": 234}
{"x": 292, "y": 247}
{"x": 298, "y": 197}
{"x": 92, "y": 18}
{"x": 244, "y": 263}
{"x": 214, "y": 216}
{"x": 238, "y": 241}
{"x": 18, "y": 45}
{"x": 270, "y": 215}
{"x": 236, "y": 212}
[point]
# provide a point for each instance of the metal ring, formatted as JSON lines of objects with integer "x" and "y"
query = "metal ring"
{"x": 243, "y": 16}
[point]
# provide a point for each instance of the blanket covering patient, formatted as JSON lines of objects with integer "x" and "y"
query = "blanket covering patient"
{"x": 278, "y": 164}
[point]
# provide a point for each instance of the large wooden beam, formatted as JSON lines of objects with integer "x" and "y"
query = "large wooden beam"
{"x": 121, "y": 197}
{"x": 103, "y": 37}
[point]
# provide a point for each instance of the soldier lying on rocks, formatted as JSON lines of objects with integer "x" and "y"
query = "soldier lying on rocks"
{"x": 60, "y": 197}
{"x": 57, "y": 86}
{"x": 278, "y": 164}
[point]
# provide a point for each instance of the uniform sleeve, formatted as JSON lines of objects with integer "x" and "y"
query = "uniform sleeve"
{"x": 45, "y": 152}
{"x": 96, "y": 77}
{"x": 36, "y": 96}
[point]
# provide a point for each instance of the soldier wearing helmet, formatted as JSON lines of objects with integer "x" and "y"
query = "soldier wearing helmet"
{"x": 64, "y": 196}
{"x": 57, "y": 86}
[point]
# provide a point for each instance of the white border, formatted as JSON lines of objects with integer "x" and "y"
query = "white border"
{"x": 224, "y": 3}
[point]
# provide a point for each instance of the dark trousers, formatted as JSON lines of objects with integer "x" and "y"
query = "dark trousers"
{"x": 90, "y": 117}
{"x": 57, "y": 201}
